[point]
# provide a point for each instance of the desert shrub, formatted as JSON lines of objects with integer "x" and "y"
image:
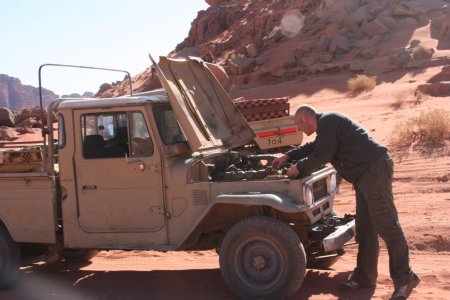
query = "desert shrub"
{"x": 361, "y": 83}
{"x": 430, "y": 128}
{"x": 399, "y": 100}
{"x": 421, "y": 52}
{"x": 420, "y": 97}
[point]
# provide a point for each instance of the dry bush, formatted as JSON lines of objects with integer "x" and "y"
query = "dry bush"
{"x": 361, "y": 83}
{"x": 430, "y": 128}
{"x": 421, "y": 52}
{"x": 399, "y": 100}
{"x": 420, "y": 97}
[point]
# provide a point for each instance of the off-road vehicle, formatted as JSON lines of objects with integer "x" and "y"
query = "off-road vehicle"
{"x": 160, "y": 172}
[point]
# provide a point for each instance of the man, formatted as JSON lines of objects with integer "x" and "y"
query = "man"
{"x": 366, "y": 164}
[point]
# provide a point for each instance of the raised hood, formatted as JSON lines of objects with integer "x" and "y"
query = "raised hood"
{"x": 203, "y": 108}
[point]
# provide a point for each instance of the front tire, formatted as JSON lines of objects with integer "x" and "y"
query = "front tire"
{"x": 262, "y": 258}
{"x": 9, "y": 259}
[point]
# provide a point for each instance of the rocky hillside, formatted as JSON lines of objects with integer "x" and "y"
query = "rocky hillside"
{"x": 265, "y": 42}
{"x": 15, "y": 95}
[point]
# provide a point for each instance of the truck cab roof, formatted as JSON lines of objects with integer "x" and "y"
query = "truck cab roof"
{"x": 156, "y": 96}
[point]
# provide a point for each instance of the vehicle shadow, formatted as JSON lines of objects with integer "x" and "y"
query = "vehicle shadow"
{"x": 72, "y": 282}
{"x": 327, "y": 283}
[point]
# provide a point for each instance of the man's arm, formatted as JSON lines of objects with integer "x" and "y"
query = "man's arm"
{"x": 301, "y": 151}
{"x": 324, "y": 150}
{"x": 294, "y": 154}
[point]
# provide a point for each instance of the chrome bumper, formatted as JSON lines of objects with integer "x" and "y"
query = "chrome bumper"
{"x": 339, "y": 237}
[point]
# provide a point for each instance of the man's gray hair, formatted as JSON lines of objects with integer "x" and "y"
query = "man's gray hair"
{"x": 307, "y": 110}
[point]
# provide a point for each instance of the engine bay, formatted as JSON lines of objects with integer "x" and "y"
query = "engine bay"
{"x": 236, "y": 166}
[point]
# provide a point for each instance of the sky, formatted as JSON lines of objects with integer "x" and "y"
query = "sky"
{"x": 99, "y": 33}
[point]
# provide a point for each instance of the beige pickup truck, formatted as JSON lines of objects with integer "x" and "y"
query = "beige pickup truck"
{"x": 159, "y": 172}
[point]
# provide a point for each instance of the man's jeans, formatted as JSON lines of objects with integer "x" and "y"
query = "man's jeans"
{"x": 376, "y": 215}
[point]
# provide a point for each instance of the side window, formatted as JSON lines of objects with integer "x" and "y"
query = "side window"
{"x": 115, "y": 135}
{"x": 141, "y": 142}
{"x": 101, "y": 134}
{"x": 61, "y": 132}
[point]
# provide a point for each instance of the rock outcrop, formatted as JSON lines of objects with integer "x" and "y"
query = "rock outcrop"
{"x": 438, "y": 85}
{"x": 260, "y": 42}
{"x": 15, "y": 95}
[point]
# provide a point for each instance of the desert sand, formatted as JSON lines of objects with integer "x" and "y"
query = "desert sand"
{"x": 422, "y": 197}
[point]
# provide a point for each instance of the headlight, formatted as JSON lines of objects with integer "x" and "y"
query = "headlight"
{"x": 333, "y": 184}
{"x": 308, "y": 196}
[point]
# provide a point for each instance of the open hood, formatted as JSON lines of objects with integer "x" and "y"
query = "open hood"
{"x": 203, "y": 108}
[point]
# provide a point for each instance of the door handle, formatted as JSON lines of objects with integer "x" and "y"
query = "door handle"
{"x": 89, "y": 187}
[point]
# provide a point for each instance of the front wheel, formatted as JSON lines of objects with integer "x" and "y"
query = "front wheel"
{"x": 262, "y": 258}
{"x": 9, "y": 259}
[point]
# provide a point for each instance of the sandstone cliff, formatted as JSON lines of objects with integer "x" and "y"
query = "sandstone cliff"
{"x": 265, "y": 42}
{"x": 14, "y": 94}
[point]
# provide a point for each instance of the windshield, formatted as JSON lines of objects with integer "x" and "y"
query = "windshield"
{"x": 168, "y": 127}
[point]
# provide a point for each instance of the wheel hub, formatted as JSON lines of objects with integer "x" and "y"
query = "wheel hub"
{"x": 259, "y": 262}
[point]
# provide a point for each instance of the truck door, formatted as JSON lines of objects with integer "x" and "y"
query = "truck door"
{"x": 118, "y": 172}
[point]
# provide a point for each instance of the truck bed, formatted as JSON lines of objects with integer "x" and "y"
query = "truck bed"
{"x": 23, "y": 159}
{"x": 28, "y": 206}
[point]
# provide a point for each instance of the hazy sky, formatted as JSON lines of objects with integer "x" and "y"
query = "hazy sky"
{"x": 102, "y": 33}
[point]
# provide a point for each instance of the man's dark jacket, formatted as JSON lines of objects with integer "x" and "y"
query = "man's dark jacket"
{"x": 341, "y": 141}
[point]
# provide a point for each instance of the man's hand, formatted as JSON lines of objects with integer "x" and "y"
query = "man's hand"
{"x": 277, "y": 162}
{"x": 293, "y": 172}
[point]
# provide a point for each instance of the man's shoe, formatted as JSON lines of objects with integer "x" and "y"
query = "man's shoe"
{"x": 403, "y": 292}
{"x": 350, "y": 285}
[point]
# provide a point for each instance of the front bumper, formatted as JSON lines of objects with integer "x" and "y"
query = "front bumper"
{"x": 339, "y": 237}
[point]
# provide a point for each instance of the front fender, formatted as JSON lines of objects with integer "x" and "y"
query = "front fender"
{"x": 226, "y": 209}
{"x": 278, "y": 201}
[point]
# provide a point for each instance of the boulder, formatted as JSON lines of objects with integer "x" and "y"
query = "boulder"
{"x": 324, "y": 43}
{"x": 400, "y": 56}
{"x": 104, "y": 87}
{"x": 25, "y": 130}
{"x": 252, "y": 50}
{"x": 304, "y": 46}
{"x": 7, "y": 134}
{"x": 30, "y": 113}
{"x": 246, "y": 66}
{"x": 289, "y": 61}
{"x": 416, "y": 7}
{"x": 389, "y": 22}
{"x": 366, "y": 42}
{"x": 28, "y": 122}
{"x": 326, "y": 57}
{"x": 437, "y": 89}
{"x": 356, "y": 17}
{"x": 215, "y": 2}
{"x": 331, "y": 30}
{"x": 307, "y": 61}
{"x": 6, "y": 117}
{"x": 340, "y": 43}
{"x": 444, "y": 75}
{"x": 376, "y": 27}
{"x": 368, "y": 53}
{"x": 261, "y": 60}
{"x": 445, "y": 24}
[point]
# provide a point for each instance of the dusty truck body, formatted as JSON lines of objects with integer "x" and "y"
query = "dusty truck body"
{"x": 158, "y": 172}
